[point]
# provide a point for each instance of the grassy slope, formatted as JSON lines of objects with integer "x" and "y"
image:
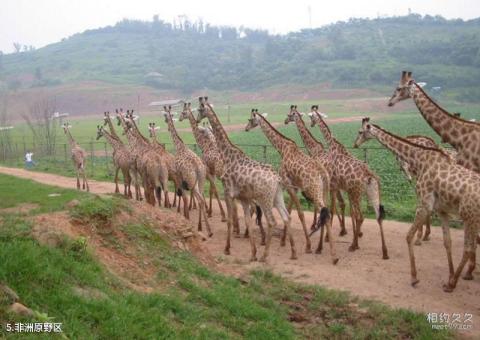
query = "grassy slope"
{"x": 195, "y": 301}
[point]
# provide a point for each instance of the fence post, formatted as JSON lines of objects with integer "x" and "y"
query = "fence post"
{"x": 24, "y": 146}
{"x": 16, "y": 153}
{"x": 92, "y": 158}
{"x": 65, "y": 153}
{"x": 106, "y": 158}
{"x": 264, "y": 153}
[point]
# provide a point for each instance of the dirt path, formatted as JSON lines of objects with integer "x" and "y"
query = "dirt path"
{"x": 363, "y": 272}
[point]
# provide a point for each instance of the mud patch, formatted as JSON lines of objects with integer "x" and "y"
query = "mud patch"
{"x": 22, "y": 209}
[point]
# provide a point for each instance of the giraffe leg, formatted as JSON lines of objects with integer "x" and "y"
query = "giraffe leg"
{"x": 202, "y": 210}
{"x": 447, "y": 242}
{"x": 85, "y": 182}
{"x": 235, "y": 221}
{"x": 116, "y": 180}
{"x": 210, "y": 199}
{"x": 418, "y": 241}
{"x": 452, "y": 282}
{"x": 333, "y": 210}
{"x": 331, "y": 242}
{"x": 215, "y": 192}
{"x": 282, "y": 210}
{"x": 248, "y": 222}
{"x": 384, "y": 245}
{"x": 228, "y": 203}
{"x": 78, "y": 179}
{"x": 471, "y": 267}
{"x": 354, "y": 211}
{"x": 427, "y": 229}
{"x": 301, "y": 216}
{"x": 341, "y": 214}
{"x": 314, "y": 223}
{"x": 420, "y": 217}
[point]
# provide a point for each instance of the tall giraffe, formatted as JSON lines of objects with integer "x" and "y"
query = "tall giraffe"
{"x": 168, "y": 158}
{"x": 248, "y": 181}
{"x": 191, "y": 170}
{"x": 79, "y": 158}
{"x": 149, "y": 164}
{"x": 299, "y": 171}
{"x": 122, "y": 159}
{"x": 316, "y": 149}
{"x": 442, "y": 186}
{"x": 354, "y": 177}
{"x": 210, "y": 156}
{"x": 463, "y": 135}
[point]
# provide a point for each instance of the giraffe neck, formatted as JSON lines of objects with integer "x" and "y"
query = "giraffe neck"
{"x": 279, "y": 141}
{"x": 199, "y": 138}
{"x": 112, "y": 128}
{"x": 179, "y": 145}
{"x": 155, "y": 139}
{"x": 308, "y": 140}
{"x": 225, "y": 146}
{"x": 451, "y": 129}
{"x": 71, "y": 141}
{"x": 403, "y": 149}
{"x": 334, "y": 144}
{"x": 139, "y": 134}
{"x": 114, "y": 142}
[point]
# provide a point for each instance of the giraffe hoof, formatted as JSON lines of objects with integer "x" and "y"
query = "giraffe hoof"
{"x": 414, "y": 282}
{"x": 352, "y": 248}
{"x": 360, "y": 234}
{"x": 385, "y": 257}
{"x": 318, "y": 251}
{"x": 426, "y": 238}
{"x": 327, "y": 239}
{"x": 224, "y": 219}
{"x": 468, "y": 276}
{"x": 253, "y": 259}
{"x": 236, "y": 235}
{"x": 210, "y": 234}
{"x": 263, "y": 259}
{"x": 335, "y": 261}
{"x": 447, "y": 288}
{"x": 282, "y": 243}
{"x": 342, "y": 233}
{"x": 226, "y": 251}
{"x": 308, "y": 250}
{"x": 262, "y": 243}
{"x": 418, "y": 243}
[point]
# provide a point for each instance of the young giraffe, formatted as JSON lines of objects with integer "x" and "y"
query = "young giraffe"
{"x": 149, "y": 164}
{"x": 78, "y": 156}
{"x": 442, "y": 186}
{"x": 192, "y": 172}
{"x": 122, "y": 160}
{"x": 248, "y": 181}
{"x": 463, "y": 135}
{"x": 353, "y": 176}
{"x": 210, "y": 156}
{"x": 317, "y": 151}
{"x": 299, "y": 171}
{"x": 169, "y": 161}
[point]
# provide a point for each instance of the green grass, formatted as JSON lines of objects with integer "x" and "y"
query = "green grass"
{"x": 15, "y": 191}
{"x": 190, "y": 301}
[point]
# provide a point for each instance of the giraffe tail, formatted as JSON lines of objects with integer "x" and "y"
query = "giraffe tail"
{"x": 259, "y": 213}
{"x": 373, "y": 195}
{"x": 322, "y": 220}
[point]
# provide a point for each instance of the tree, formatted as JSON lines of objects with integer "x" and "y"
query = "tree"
{"x": 17, "y": 46}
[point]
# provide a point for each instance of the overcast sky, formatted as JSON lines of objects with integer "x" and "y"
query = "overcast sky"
{"x": 41, "y": 22}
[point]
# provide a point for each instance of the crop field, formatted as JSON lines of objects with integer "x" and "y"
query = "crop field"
{"x": 397, "y": 193}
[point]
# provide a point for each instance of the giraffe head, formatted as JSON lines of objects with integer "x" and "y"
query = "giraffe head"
{"x": 99, "y": 132}
{"x": 315, "y": 116}
{"x": 119, "y": 115}
{"x": 66, "y": 127}
{"x": 291, "y": 115}
{"x": 187, "y": 110}
{"x": 254, "y": 119}
{"x": 106, "y": 118}
{"x": 203, "y": 108}
{"x": 152, "y": 129}
{"x": 364, "y": 133}
{"x": 402, "y": 91}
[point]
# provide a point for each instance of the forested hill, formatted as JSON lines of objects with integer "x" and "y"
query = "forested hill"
{"x": 189, "y": 56}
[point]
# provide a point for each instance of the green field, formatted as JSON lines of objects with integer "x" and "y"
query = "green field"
{"x": 397, "y": 193}
{"x": 189, "y": 299}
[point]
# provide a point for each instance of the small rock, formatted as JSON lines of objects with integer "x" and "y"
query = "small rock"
{"x": 72, "y": 204}
{"x": 20, "y": 309}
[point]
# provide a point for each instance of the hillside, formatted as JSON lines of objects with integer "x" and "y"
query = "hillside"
{"x": 190, "y": 56}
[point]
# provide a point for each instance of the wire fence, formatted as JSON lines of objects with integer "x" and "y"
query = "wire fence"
{"x": 395, "y": 186}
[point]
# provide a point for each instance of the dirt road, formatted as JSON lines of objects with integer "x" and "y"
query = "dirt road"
{"x": 363, "y": 273}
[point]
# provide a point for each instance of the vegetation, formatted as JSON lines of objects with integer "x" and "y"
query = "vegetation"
{"x": 190, "y": 300}
{"x": 194, "y": 55}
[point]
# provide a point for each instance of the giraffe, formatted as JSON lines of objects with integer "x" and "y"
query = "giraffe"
{"x": 463, "y": 135}
{"x": 410, "y": 172}
{"x": 192, "y": 172}
{"x": 207, "y": 133}
{"x": 248, "y": 181}
{"x": 442, "y": 186}
{"x": 316, "y": 149}
{"x": 210, "y": 156}
{"x": 353, "y": 176}
{"x": 150, "y": 165}
{"x": 299, "y": 171}
{"x": 169, "y": 161}
{"x": 79, "y": 158}
{"x": 122, "y": 159}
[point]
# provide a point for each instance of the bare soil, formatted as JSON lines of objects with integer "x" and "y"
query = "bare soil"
{"x": 363, "y": 273}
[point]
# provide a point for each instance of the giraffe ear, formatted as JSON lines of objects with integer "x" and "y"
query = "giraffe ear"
{"x": 291, "y": 107}
{"x": 302, "y": 113}
{"x": 265, "y": 114}
{"x": 310, "y": 114}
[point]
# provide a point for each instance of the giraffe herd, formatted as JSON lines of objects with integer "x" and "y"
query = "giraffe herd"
{"x": 447, "y": 183}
